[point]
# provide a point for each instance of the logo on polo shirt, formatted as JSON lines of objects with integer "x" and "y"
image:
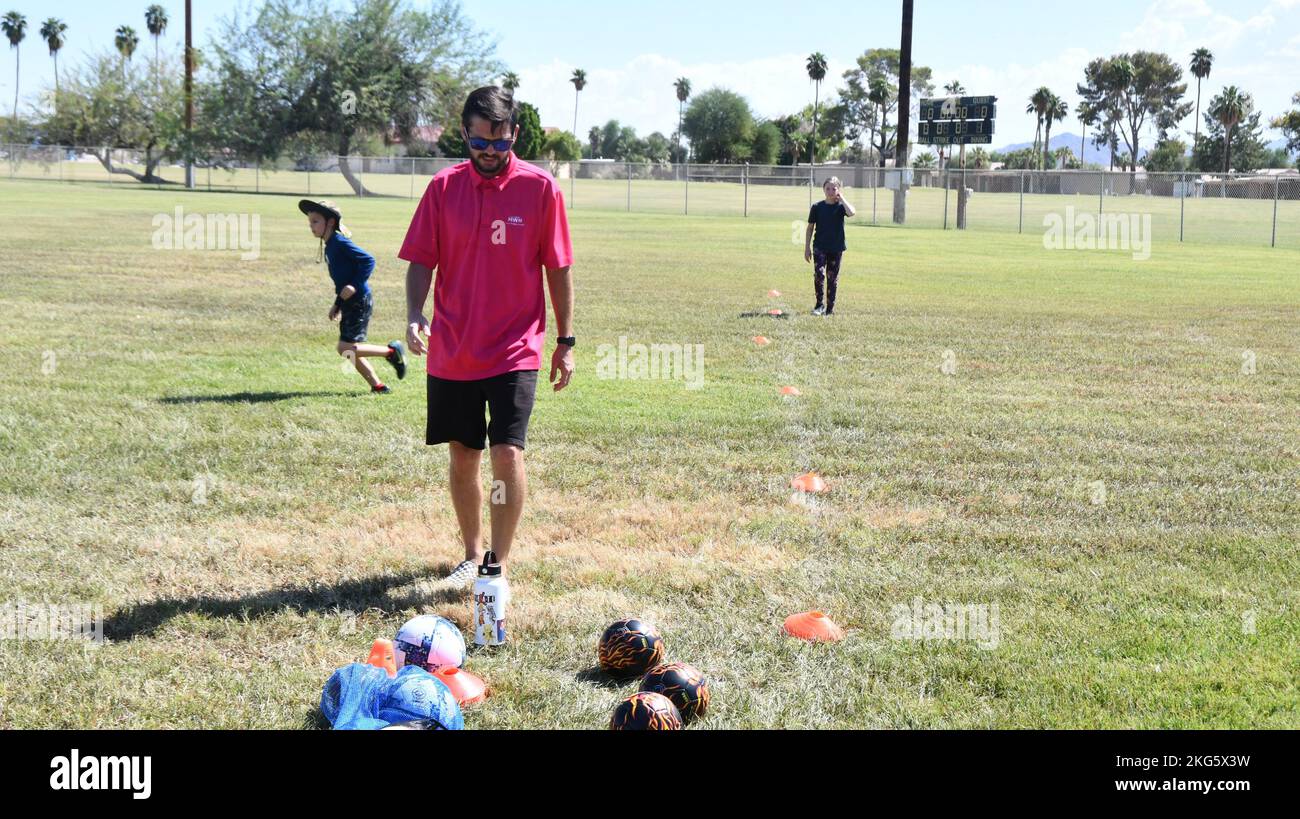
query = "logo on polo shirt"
{"x": 517, "y": 220}
{"x": 499, "y": 228}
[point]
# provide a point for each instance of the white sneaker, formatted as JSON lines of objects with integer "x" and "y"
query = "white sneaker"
{"x": 819, "y": 311}
{"x": 462, "y": 576}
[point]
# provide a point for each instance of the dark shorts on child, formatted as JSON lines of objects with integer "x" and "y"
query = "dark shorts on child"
{"x": 826, "y": 271}
{"x": 355, "y": 319}
{"x": 456, "y": 409}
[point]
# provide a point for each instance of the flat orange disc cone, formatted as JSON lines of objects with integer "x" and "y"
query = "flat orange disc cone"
{"x": 465, "y": 687}
{"x": 811, "y": 482}
{"x": 381, "y": 655}
{"x": 775, "y": 312}
{"x": 814, "y": 627}
{"x": 790, "y": 391}
{"x": 774, "y": 294}
{"x": 761, "y": 340}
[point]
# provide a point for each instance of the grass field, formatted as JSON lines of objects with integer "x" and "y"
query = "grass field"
{"x": 1206, "y": 220}
{"x": 137, "y": 376}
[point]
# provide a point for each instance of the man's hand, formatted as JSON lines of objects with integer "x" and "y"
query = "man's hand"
{"x": 414, "y": 330}
{"x": 334, "y": 312}
{"x": 562, "y": 360}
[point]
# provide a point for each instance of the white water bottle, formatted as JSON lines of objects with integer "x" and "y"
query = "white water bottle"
{"x": 491, "y": 594}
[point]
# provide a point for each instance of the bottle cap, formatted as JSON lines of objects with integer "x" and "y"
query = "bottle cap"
{"x": 490, "y": 567}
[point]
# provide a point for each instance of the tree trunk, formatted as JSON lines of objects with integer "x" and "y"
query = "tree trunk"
{"x": 1196, "y": 123}
{"x": 1227, "y": 155}
{"x": 147, "y": 178}
{"x": 345, "y": 143}
{"x": 904, "y": 113}
{"x": 17, "y": 75}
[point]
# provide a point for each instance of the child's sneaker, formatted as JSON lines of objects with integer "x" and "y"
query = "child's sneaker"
{"x": 397, "y": 357}
{"x": 381, "y": 389}
{"x": 818, "y": 310}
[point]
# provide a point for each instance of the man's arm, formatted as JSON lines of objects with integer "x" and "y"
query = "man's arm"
{"x": 560, "y": 282}
{"x": 418, "y": 280}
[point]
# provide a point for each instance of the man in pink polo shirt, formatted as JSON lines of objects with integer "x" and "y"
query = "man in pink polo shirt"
{"x": 489, "y": 226}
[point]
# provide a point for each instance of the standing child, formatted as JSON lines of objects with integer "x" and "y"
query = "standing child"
{"x": 828, "y": 248}
{"x": 350, "y": 268}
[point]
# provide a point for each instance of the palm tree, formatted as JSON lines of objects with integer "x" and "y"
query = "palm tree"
{"x": 510, "y": 82}
{"x": 1056, "y": 111}
{"x": 1038, "y": 107}
{"x": 816, "y": 66}
{"x": 125, "y": 40}
{"x": 1087, "y": 119}
{"x": 1063, "y": 157}
{"x": 878, "y": 95}
{"x": 683, "y": 87}
{"x": 593, "y": 139}
{"x": 14, "y": 26}
{"x": 925, "y": 160}
{"x": 1230, "y": 108}
{"x": 155, "y": 19}
{"x": 954, "y": 89}
{"x": 1202, "y": 62}
{"x": 979, "y": 158}
{"x": 52, "y": 33}
{"x": 579, "y": 80}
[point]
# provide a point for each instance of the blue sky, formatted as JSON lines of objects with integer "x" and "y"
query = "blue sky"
{"x": 632, "y": 55}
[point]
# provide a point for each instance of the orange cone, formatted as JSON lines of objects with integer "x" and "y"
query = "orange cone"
{"x": 761, "y": 341}
{"x": 810, "y": 482}
{"x": 775, "y": 312}
{"x": 790, "y": 391}
{"x": 381, "y": 655}
{"x": 465, "y": 687}
{"x": 774, "y": 294}
{"x": 813, "y": 626}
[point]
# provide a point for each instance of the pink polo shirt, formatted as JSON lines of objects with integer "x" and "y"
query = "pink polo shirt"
{"x": 488, "y": 239}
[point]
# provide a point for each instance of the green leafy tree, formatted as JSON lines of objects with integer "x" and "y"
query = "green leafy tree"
{"x": 719, "y": 125}
{"x": 766, "y": 144}
{"x": 304, "y": 74}
{"x": 870, "y": 94}
{"x": 529, "y": 144}
{"x": 1289, "y": 125}
{"x": 100, "y": 107}
{"x": 1169, "y": 156}
{"x": 561, "y": 146}
{"x": 925, "y": 160}
{"x": 682, "y": 86}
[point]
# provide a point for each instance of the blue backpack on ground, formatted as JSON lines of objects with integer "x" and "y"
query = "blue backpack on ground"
{"x": 363, "y": 696}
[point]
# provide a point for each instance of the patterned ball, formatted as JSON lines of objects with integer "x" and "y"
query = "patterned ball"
{"x": 630, "y": 647}
{"x": 644, "y": 711}
{"x": 429, "y": 642}
{"x": 681, "y": 683}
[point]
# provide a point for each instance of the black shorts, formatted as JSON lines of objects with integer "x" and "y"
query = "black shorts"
{"x": 354, "y": 321}
{"x": 456, "y": 409}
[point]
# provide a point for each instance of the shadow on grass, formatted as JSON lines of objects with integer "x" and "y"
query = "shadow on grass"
{"x": 597, "y": 676}
{"x": 143, "y": 619}
{"x": 249, "y": 397}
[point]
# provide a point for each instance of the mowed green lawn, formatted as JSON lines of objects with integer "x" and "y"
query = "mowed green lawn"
{"x": 137, "y": 376}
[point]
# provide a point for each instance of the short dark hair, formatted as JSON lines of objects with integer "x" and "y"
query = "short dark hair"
{"x": 493, "y": 104}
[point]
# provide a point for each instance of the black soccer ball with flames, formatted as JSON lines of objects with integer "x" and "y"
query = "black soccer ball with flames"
{"x": 683, "y": 684}
{"x": 646, "y": 711}
{"x": 630, "y": 647}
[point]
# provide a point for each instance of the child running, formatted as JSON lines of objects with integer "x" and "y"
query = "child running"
{"x": 828, "y": 248}
{"x": 350, "y": 268}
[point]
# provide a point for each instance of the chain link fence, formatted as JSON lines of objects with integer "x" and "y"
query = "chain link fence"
{"x": 1261, "y": 208}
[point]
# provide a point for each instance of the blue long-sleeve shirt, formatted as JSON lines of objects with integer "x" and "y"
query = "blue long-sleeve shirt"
{"x": 349, "y": 264}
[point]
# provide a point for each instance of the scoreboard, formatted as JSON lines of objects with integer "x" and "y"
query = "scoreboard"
{"x": 956, "y": 120}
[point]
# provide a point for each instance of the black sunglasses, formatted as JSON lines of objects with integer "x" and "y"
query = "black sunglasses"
{"x": 498, "y": 145}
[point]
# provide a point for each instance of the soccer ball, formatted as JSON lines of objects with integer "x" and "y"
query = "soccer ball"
{"x": 429, "y": 642}
{"x": 681, "y": 683}
{"x": 630, "y": 647}
{"x": 646, "y": 711}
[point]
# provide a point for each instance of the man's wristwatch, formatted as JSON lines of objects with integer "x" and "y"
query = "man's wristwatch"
{"x": 569, "y": 341}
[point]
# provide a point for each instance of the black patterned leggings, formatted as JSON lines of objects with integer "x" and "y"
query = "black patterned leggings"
{"x": 826, "y": 271}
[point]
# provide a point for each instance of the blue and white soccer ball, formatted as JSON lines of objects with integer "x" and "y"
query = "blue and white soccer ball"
{"x": 429, "y": 642}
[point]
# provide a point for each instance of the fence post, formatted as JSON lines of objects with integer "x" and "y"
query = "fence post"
{"x": 209, "y": 177}
{"x": 1182, "y": 204}
{"x": 875, "y": 179}
{"x": 1101, "y": 194}
{"x": 412, "y": 196}
{"x": 745, "y": 179}
{"x": 1277, "y": 182}
{"x": 257, "y": 178}
{"x": 573, "y": 184}
{"x": 309, "y": 178}
{"x": 810, "y": 184}
{"x": 945, "y": 198}
{"x": 628, "y": 165}
{"x": 686, "y": 202}
{"x": 61, "y": 152}
{"x": 1022, "y": 203}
